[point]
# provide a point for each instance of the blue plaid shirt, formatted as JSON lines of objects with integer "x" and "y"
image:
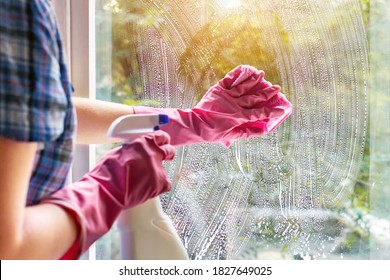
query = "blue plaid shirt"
{"x": 35, "y": 91}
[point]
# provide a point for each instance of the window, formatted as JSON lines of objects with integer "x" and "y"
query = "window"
{"x": 318, "y": 187}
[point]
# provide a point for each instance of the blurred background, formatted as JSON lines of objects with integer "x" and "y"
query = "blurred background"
{"x": 316, "y": 188}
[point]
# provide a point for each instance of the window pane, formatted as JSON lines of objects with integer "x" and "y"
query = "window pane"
{"x": 316, "y": 188}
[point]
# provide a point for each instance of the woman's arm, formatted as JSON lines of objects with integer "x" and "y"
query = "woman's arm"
{"x": 37, "y": 232}
{"x": 94, "y": 118}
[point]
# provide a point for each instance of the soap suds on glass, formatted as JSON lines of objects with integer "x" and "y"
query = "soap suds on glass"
{"x": 277, "y": 191}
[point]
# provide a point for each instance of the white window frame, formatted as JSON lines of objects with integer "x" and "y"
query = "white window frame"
{"x": 77, "y": 23}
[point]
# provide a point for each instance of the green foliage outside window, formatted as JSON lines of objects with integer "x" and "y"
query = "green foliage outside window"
{"x": 215, "y": 49}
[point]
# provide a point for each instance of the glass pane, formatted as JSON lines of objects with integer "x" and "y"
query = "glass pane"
{"x": 316, "y": 188}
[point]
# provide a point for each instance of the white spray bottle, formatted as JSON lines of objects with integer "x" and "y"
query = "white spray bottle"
{"x": 146, "y": 232}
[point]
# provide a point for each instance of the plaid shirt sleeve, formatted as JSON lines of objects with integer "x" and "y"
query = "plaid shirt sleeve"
{"x": 32, "y": 100}
{"x": 35, "y": 92}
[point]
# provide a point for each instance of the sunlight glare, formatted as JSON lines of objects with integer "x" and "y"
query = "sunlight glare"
{"x": 229, "y": 4}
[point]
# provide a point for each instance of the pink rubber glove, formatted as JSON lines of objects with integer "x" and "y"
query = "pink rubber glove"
{"x": 241, "y": 105}
{"x": 124, "y": 177}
